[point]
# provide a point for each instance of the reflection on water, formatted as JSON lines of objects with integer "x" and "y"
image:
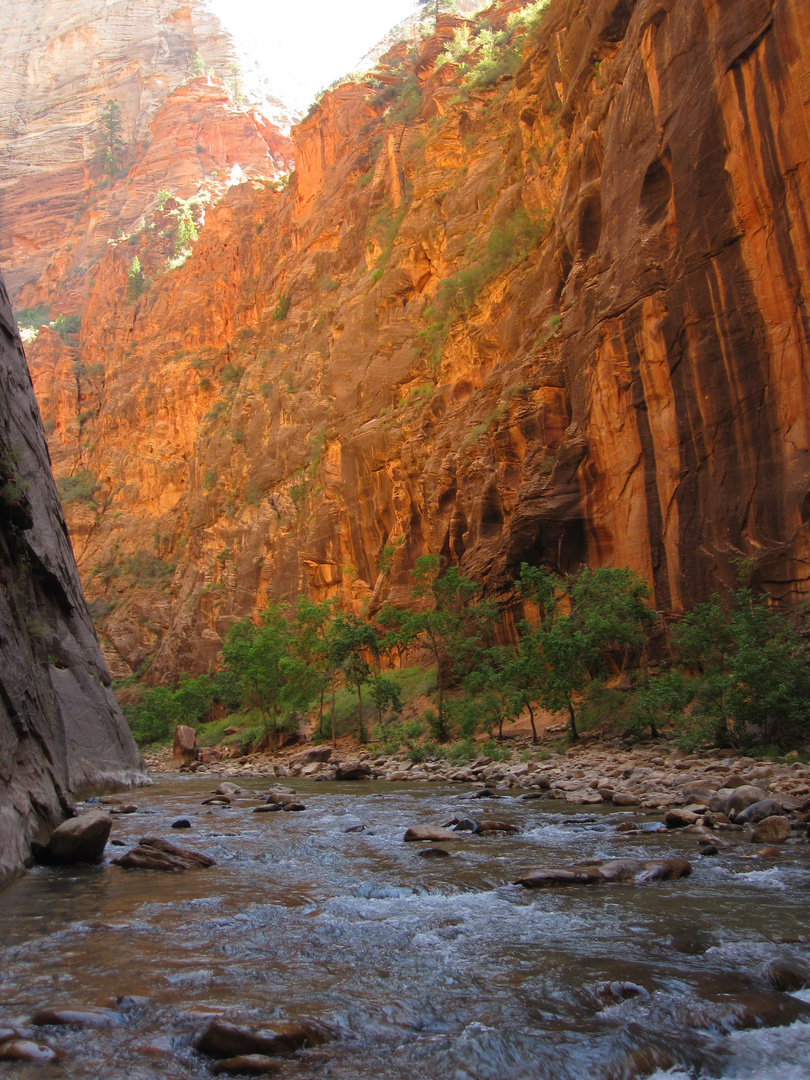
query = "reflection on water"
{"x": 427, "y": 967}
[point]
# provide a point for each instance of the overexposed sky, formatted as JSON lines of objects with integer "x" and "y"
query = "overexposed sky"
{"x": 301, "y": 46}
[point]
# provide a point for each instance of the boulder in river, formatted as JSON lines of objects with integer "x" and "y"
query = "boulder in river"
{"x": 82, "y": 1017}
{"x": 430, "y": 832}
{"x": 267, "y": 808}
{"x": 184, "y": 747}
{"x": 757, "y": 812}
{"x": 181, "y": 823}
{"x": 353, "y": 770}
{"x": 541, "y": 879}
{"x": 612, "y": 870}
{"x": 223, "y": 1040}
{"x": 741, "y": 798}
{"x": 771, "y": 830}
{"x": 434, "y": 853}
{"x": 152, "y": 853}
{"x": 27, "y": 1050}
{"x": 79, "y": 839}
{"x": 247, "y": 1065}
{"x": 490, "y": 826}
{"x": 679, "y": 818}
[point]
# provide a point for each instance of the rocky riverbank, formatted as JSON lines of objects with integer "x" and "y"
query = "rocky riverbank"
{"x": 706, "y": 793}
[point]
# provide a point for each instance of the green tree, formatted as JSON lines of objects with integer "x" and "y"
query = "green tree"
{"x": 452, "y": 623}
{"x": 135, "y": 282}
{"x": 111, "y": 154}
{"x": 235, "y": 84}
{"x": 269, "y": 674}
{"x": 386, "y": 694}
{"x": 580, "y": 620}
{"x": 196, "y": 68}
{"x": 351, "y": 642}
{"x": 748, "y": 673}
{"x": 313, "y": 647}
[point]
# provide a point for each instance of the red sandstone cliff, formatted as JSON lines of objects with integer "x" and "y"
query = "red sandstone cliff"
{"x": 560, "y": 318}
{"x": 62, "y": 64}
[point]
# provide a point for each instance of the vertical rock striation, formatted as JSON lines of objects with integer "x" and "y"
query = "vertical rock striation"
{"x": 61, "y": 731}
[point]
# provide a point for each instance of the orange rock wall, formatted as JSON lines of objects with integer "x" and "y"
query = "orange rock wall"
{"x": 624, "y": 387}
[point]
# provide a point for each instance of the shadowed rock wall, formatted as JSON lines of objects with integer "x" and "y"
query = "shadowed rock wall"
{"x": 61, "y": 731}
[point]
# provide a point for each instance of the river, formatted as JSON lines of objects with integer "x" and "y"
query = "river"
{"x": 427, "y": 968}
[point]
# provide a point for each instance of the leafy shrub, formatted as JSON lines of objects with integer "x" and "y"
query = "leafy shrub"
{"x": 81, "y": 487}
{"x": 282, "y": 308}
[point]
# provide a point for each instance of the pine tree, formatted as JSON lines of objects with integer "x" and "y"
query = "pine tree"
{"x": 111, "y": 154}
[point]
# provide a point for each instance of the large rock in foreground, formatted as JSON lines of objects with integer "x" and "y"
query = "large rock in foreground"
{"x": 62, "y": 734}
{"x": 79, "y": 839}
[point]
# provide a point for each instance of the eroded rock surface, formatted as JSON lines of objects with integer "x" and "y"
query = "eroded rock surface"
{"x": 62, "y": 733}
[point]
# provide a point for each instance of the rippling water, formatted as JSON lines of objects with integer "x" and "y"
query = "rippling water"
{"x": 429, "y": 968}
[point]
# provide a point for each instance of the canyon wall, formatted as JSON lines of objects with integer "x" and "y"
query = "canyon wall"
{"x": 553, "y": 311}
{"x": 62, "y": 734}
{"x": 63, "y": 62}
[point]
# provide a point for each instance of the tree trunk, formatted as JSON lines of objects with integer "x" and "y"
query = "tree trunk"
{"x": 320, "y": 716}
{"x": 361, "y": 728}
{"x": 574, "y": 732}
{"x": 334, "y": 738}
{"x": 531, "y": 721}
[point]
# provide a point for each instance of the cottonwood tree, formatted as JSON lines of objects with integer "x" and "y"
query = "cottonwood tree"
{"x": 453, "y": 625}
{"x": 580, "y": 619}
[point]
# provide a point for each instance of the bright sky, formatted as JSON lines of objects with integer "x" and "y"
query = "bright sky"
{"x": 301, "y": 46}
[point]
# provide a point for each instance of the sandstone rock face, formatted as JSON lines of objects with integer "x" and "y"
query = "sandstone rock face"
{"x": 559, "y": 319}
{"x": 61, "y": 62}
{"x": 61, "y": 731}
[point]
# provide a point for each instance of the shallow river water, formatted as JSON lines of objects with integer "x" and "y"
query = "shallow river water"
{"x": 427, "y": 968}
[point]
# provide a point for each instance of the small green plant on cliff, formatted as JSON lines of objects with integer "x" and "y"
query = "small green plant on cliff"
{"x": 507, "y": 245}
{"x": 196, "y": 68}
{"x": 135, "y": 281}
{"x": 81, "y": 487}
{"x": 282, "y": 308}
{"x": 111, "y": 151}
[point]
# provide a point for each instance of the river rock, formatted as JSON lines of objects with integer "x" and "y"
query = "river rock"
{"x": 315, "y": 753}
{"x": 757, "y": 812}
{"x": 267, "y": 808}
{"x": 184, "y": 747}
{"x": 433, "y": 853}
{"x": 84, "y": 1017}
{"x": 27, "y": 1050}
{"x": 291, "y": 804}
{"x": 626, "y": 798}
{"x": 227, "y": 788}
{"x": 181, "y": 823}
{"x": 733, "y": 780}
{"x": 353, "y": 770}
{"x": 743, "y": 797}
{"x": 463, "y": 825}
{"x": 679, "y": 818}
{"x": 79, "y": 839}
{"x": 247, "y": 1065}
{"x": 786, "y": 977}
{"x": 222, "y": 1039}
{"x": 541, "y": 879}
{"x": 429, "y": 832}
{"x": 496, "y": 826}
{"x": 152, "y": 853}
{"x": 754, "y": 1009}
{"x": 771, "y": 830}
{"x": 217, "y": 800}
